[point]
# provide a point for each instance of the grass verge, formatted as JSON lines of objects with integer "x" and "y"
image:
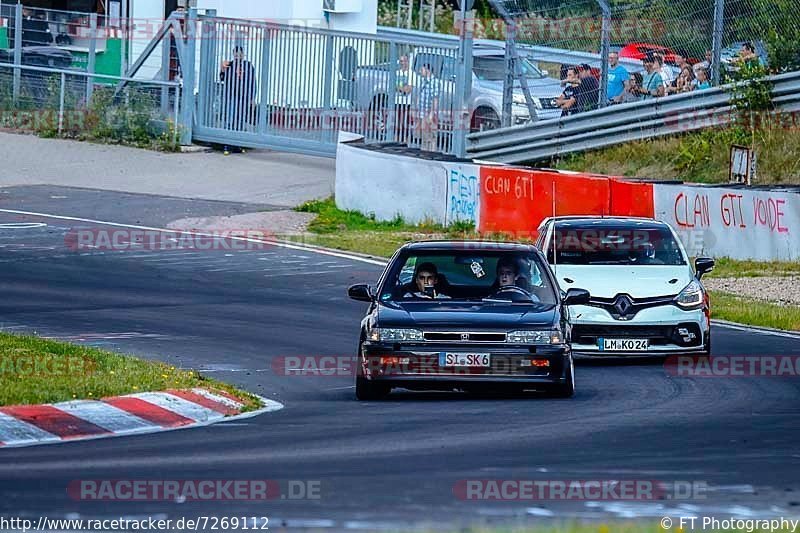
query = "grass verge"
{"x": 35, "y": 370}
{"x": 700, "y": 157}
{"x": 727, "y": 306}
{"x": 731, "y": 268}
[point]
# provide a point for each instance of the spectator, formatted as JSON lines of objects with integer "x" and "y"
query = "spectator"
{"x": 667, "y": 76}
{"x": 428, "y": 96}
{"x": 568, "y": 101}
{"x": 681, "y": 60}
{"x": 706, "y": 64}
{"x": 684, "y": 82}
{"x": 239, "y": 89}
{"x": 403, "y": 90}
{"x": 588, "y": 91}
{"x": 748, "y": 56}
{"x": 702, "y": 81}
{"x": 652, "y": 83}
{"x": 618, "y": 79}
{"x": 631, "y": 92}
{"x": 35, "y": 30}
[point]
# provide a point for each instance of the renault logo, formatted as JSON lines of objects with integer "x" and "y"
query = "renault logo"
{"x": 465, "y": 336}
{"x": 623, "y": 304}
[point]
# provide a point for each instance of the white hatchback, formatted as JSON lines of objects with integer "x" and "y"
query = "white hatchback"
{"x": 646, "y": 299}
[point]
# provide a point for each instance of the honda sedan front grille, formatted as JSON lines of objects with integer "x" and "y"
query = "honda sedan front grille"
{"x": 465, "y": 336}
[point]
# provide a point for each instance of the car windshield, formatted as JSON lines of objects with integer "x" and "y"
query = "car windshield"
{"x": 610, "y": 245}
{"x": 488, "y": 277}
{"x": 493, "y": 68}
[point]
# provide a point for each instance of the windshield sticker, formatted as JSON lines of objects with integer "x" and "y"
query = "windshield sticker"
{"x": 477, "y": 269}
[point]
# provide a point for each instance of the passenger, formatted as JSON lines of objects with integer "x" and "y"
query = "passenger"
{"x": 508, "y": 275}
{"x": 426, "y": 279}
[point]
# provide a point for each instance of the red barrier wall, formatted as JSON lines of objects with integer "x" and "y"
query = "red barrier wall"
{"x": 515, "y": 200}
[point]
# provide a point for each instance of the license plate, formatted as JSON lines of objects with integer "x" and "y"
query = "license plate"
{"x": 465, "y": 359}
{"x": 623, "y": 345}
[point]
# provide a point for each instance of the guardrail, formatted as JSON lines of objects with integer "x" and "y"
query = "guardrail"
{"x": 621, "y": 123}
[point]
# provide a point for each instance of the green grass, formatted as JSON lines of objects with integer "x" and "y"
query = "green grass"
{"x": 356, "y": 232}
{"x": 727, "y": 306}
{"x": 700, "y": 157}
{"x": 35, "y": 370}
{"x": 731, "y": 268}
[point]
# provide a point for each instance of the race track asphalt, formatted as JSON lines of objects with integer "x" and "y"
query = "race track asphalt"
{"x": 379, "y": 464}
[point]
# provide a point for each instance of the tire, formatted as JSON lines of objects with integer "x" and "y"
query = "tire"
{"x": 484, "y": 119}
{"x": 707, "y": 346}
{"x": 567, "y": 389}
{"x": 369, "y": 391}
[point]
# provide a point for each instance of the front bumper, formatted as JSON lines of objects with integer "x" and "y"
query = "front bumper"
{"x": 668, "y": 329}
{"x": 418, "y": 365}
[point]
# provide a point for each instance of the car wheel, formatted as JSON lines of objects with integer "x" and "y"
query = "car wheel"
{"x": 566, "y": 389}
{"x": 377, "y": 119}
{"x": 484, "y": 119}
{"x": 367, "y": 390}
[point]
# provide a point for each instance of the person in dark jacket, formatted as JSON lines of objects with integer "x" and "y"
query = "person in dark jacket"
{"x": 239, "y": 90}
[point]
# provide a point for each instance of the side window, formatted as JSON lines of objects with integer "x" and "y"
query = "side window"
{"x": 448, "y": 68}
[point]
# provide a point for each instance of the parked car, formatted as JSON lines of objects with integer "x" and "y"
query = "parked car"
{"x": 35, "y": 84}
{"x": 465, "y": 315}
{"x": 370, "y": 89}
{"x": 645, "y": 297}
{"x": 641, "y": 50}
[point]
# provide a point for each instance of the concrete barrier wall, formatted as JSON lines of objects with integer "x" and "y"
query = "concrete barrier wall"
{"x": 716, "y": 221}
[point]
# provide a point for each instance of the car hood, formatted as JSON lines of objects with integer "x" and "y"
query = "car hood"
{"x": 443, "y": 314}
{"x": 606, "y": 281}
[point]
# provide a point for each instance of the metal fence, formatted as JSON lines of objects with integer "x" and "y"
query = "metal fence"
{"x": 635, "y": 121}
{"x": 294, "y": 88}
{"x": 56, "y": 102}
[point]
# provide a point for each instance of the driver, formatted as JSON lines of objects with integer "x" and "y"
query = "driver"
{"x": 508, "y": 275}
{"x": 426, "y": 278}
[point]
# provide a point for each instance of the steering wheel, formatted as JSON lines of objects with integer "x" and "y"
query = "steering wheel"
{"x": 513, "y": 293}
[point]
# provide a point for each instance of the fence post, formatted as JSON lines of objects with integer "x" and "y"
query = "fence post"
{"x": 716, "y": 46}
{"x": 188, "y": 100}
{"x": 391, "y": 105}
{"x": 61, "y": 100}
{"x": 207, "y": 73}
{"x": 461, "y": 113}
{"x": 92, "y": 57}
{"x": 17, "y": 51}
{"x": 166, "y": 56}
{"x": 264, "y": 83}
{"x": 329, "y": 120}
{"x": 124, "y": 27}
{"x": 605, "y": 49}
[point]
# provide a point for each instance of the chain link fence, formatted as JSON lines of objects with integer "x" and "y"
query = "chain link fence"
{"x": 54, "y": 102}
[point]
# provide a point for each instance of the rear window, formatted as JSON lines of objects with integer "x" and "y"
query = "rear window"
{"x": 614, "y": 246}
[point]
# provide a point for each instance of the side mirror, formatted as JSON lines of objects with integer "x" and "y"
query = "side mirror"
{"x": 577, "y": 297}
{"x": 360, "y": 292}
{"x": 703, "y": 265}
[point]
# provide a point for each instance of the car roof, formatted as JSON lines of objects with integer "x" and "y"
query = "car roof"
{"x": 454, "y": 245}
{"x": 601, "y": 222}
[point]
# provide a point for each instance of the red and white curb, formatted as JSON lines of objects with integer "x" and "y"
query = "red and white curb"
{"x": 133, "y": 414}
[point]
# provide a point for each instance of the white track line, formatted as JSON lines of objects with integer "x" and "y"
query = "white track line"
{"x": 104, "y": 415}
{"x": 312, "y": 249}
{"x": 281, "y": 244}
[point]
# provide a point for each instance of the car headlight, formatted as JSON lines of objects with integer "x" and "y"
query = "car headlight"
{"x": 394, "y": 334}
{"x": 519, "y": 99}
{"x": 535, "y": 336}
{"x": 691, "y": 297}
